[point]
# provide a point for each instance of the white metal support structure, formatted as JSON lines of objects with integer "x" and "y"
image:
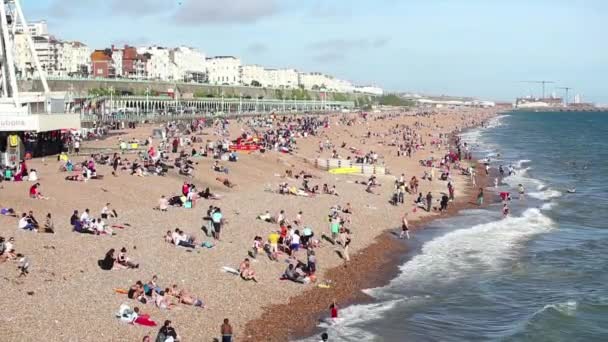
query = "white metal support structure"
{"x": 10, "y": 15}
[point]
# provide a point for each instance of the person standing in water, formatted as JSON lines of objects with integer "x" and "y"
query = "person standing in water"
{"x": 405, "y": 231}
{"x": 480, "y": 197}
{"x": 521, "y": 190}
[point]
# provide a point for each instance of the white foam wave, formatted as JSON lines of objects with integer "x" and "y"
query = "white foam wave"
{"x": 343, "y": 328}
{"x": 520, "y": 163}
{"x": 484, "y": 247}
{"x": 567, "y": 308}
{"x": 547, "y": 206}
{"x": 496, "y": 121}
{"x": 546, "y": 194}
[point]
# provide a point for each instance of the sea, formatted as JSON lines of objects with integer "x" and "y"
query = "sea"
{"x": 540, "y": 274}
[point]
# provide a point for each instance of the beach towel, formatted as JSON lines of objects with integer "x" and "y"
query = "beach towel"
{"x": 145, "y": 321}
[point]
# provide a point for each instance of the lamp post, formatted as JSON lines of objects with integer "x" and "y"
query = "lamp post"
{"x": 147, "y": 100}
{"x": 111, "y": 100}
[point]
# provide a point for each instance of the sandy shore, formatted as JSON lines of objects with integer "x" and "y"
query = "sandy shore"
{"x": 67, "y": 297}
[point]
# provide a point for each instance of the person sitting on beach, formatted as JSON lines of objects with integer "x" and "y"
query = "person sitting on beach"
{"x": 246, "y": 271}
{"x": 137, "y": 292}
{"x": 347, "y": 209}
{"x": 35, "y": 192}
{"x": 49, "y": 225}
{"x": 292, "y": 274}
{"x": 32, "y": 176}
{"x": 25, "y": 224}
{"x": 257, "y": 246}
{"x": 107, "y": 263}
{"x": 124, "y": 260}
{"x": 167, "y": 333}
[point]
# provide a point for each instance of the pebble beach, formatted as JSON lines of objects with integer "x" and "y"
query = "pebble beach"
{"x": 67, "y": 297}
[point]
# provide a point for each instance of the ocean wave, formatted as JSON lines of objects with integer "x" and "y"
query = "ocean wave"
{"x": 460, "y": 253}
{"x": 546, "y": 194}
{"x": 567, "y": 308}
{"x": 547, "y": 206}
{"x": 519, "y": 163}
{"x": 343, "y": 328}
{"x": 496, "y": 121}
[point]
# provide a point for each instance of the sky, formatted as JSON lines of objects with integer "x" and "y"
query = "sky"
{"x": 479, "y": 48}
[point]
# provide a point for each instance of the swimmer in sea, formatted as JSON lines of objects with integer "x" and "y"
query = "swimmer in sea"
{"x": 520, "y": 189}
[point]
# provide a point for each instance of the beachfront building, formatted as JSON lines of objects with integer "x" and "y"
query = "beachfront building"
{"x": 34, "y": 28}
{"x": 254, "y": 75}
{"x": 159, "y": 66}
{"x": 282, "y": 78}
{"x": 102, "y": 64}
{"x": 341, "y": 86}
{"x": 133, "y": 63}
{"x": 224, "y": 70}
{"x": 313, "y": 80}
{"x": 190, "y": 64}
{"x": 73, "y": 59}
{"x": 57, "y": 58}
{"x": 370, "y": 90}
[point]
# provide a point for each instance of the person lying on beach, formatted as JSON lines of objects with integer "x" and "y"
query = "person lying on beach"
{"x": 184, "y": 297}
{"x": 75, "y": 178}
{"x": 207, "y": 194}
{"x": 291, "y": 273}
{"x": 226, "y": 182}
{"x": 179, "y": 238}
{"x": 8, "y": 212}
{"x": 266, "y": 217}
{"x": 163, "y": 301}
{"x": 246, "y": 271}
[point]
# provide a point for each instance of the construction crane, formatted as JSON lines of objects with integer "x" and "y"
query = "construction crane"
{"x": 567, "y": 89}
{"x": 540, "y": 82}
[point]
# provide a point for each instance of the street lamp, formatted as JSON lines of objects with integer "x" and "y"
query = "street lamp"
{"x": 147, "y": 100}
{"x": 111, "y": 100}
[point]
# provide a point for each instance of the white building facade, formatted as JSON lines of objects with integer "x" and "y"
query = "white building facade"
{"x": 314, "y": 80}
{"x": 254, "y": 73}
{"x": 283, "y": 78}
{"x": 190, "y": 64}
{"x": 224, "y": 70}
{"x": 159, "y": 66}
{"x": 371, "y": 90}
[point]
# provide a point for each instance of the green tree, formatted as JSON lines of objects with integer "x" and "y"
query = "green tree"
{"x": 255, "y": 83}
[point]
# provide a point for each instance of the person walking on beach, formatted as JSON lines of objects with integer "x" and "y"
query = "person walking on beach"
{"x": 405, "y": 229}
{"x": 333, "y": 310}
{"x": 226, "y": 330}
{"x": 429, "y": 201}
{"x": 345, "y": 243}
{"x": 480, "y": 197}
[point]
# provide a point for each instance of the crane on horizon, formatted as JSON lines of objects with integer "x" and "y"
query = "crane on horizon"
{"x": 567, "y": 89}
{"x": 540, "y": 82}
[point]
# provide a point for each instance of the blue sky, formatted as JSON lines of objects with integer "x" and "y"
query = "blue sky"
{"x": 481, "y": 48}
